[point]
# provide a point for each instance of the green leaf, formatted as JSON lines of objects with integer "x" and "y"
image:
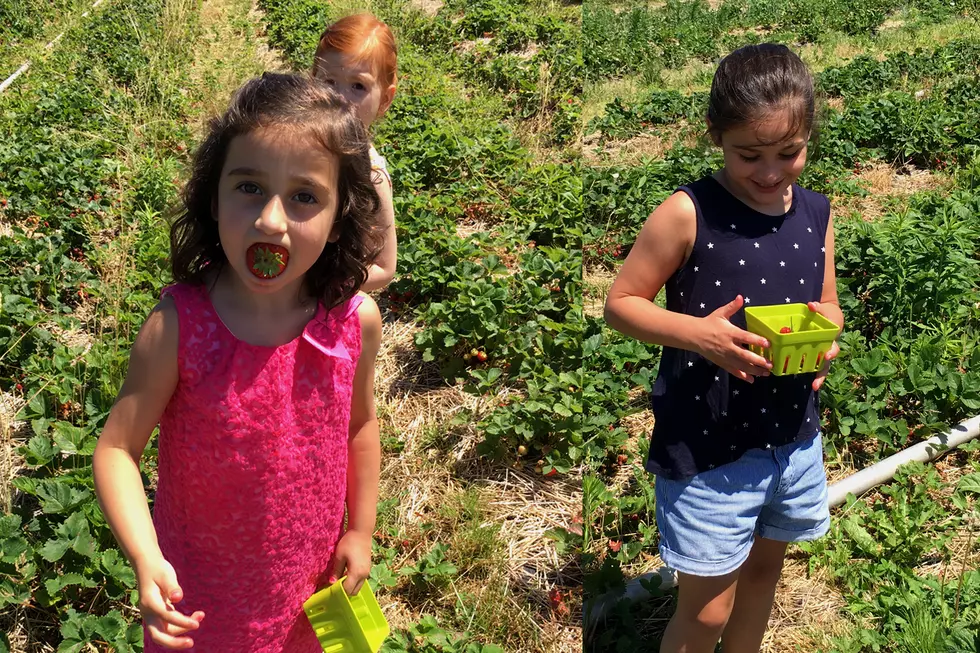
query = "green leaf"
{"x": 9, "y": 526}
{"x": 55, "y": 585}
{"x": 39, "y": 451}
{"x": 112, "y": 625}
{"x": 852, "y": 526}
{"x": 53, "y": 550}
{"x": 969, "y": 483}
{"x": 116, "y": 567}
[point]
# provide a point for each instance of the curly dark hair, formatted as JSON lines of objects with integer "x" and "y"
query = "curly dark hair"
{"x": 308, "y": 107}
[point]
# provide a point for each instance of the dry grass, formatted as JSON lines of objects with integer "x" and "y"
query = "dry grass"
{"x": 437, "y": 467}
{"x": 807, "y": 612}
{"x": 229, "y": 51}
{"x": 12, "y": 435}
{"x": 428, "y": 7}
{"x": 635, "y": 151}
{"x": 595, "y": 285}
{"x": 887, "y": 185}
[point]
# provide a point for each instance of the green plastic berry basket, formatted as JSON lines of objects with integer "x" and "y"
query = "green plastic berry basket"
{"x": 347, "y": 624}
{"x": 799, "y": 352}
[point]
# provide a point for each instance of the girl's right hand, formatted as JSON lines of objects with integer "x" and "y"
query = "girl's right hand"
{"x": 721, "y": 342}
{"x": 158, "y": 590}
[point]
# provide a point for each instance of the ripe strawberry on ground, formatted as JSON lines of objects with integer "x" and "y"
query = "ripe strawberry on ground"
{"x": 482, "y": 356}
{"x": 615, "y": 546}
{"x": 266, "y": 261}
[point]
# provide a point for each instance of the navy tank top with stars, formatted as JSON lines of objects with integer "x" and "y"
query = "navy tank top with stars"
{"x": 703, "y": 416}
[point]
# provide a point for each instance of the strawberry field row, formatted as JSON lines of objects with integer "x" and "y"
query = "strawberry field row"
{"x": 93, "y": 121}
{"x": 637, "y": 39}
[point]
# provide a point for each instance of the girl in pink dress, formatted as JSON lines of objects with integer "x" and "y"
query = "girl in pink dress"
{"x": 258, "y": 365}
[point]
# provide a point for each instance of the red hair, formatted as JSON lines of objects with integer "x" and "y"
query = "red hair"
{"x": 363, "y": 38}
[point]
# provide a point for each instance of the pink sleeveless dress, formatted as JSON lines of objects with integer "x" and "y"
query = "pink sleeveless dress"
{"x": 253, "y": 474}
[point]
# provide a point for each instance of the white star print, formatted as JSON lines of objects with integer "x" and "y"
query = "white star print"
{"x": 696, "y": 268}
{"x": 782, "y": 264}
{"x": 814, "y": 264}
{"x": 757, "y": 245}
{"x": 796, "y": 246}
{"x": 763, "y": 281}
{"x": 733, "y": 447}
{"x": 717, "y": 379}
{"x": 748, "y": 301}
{"x": 795, "y": 406}
{"x": 802, "y": 282}
{"x": 690, "y": 364}
{"x": 777, "y": 425}
{"x": 711, "y": 466}
{"x": 745, "y": 425}
{"x": 682, "y": 294}
{"x": 768, "y": 446}
{"x": 735, "y": 393}
{"x": 774, "y": 230}
{"x": 697, "y": 397}
{"x": 807, "y": 420}
{"x": 809, "y": 229}
{"x": 787, "y": 300}
{"x": 717, "y": 283}
{"x": 741, "y": 261}
{"x": 705, "y": 431}
{"x": 823, "y": 249}
{"x": 711, "y": 245}
{"x": 774, "y": 390}
{"x": 702, "y": 304}
{"x": 763, "y": 411}
{"x": 724, "y": 413}
{"x": 734, "y": 227}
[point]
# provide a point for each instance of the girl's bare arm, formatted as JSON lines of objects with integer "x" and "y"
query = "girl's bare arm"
{"x": 662, "y": 247}
{"x": 149, "y": 384}
{"x": 382, "y": 271}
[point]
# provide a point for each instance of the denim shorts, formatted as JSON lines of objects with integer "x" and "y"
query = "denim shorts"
{"x": 708, "y": 522}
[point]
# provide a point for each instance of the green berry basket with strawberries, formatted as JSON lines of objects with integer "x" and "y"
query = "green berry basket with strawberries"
{"x": 799, "y": 337}
{"x": 347, "y": 624}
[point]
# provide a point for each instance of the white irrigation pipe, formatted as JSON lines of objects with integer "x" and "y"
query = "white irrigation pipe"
{"x": 10, "y": 80}
{"x": 27, "y": 64}
{"x": 857, "y": 484}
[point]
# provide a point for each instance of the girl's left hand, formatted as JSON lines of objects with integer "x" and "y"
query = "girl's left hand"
{"x": 816, "y": 307}
{"x": 353, "y": 554}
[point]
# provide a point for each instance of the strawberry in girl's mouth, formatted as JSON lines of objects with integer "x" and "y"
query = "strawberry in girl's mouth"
{"x": 266, "y": 261}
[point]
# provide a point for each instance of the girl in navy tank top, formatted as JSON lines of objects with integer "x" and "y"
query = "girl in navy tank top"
{"x": 737, "y": 451}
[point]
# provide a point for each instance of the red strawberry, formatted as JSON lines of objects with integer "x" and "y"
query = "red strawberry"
{"x": 481, "y": 356}
{"x": 266, "y": 261}
{"x": 786, "y": 330}
{"x": 615, "y": 546}
{"x": 555, "y": 596}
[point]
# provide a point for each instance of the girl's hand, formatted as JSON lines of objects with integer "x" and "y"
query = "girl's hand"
{"x": 158, "y": 590}
{"x": 721, "y": 342}
{"x": 353, "y": 553}
{"x": 830, "y": 355}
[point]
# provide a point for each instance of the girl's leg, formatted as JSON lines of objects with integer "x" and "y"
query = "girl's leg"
{"x": 704, "y": 604}
{"x": 757, "y": 579}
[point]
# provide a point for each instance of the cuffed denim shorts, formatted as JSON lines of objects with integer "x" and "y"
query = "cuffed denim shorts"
{"x": 708, "y": 522}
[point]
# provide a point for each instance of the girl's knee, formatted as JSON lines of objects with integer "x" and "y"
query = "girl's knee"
{"x": 710, "y": 618}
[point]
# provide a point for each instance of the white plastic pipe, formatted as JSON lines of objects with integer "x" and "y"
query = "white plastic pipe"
{"x": 857, "y": 484}
{"x": 23, "y": 69}
{"x": 883, "y": 470}
{"x": 10, "y": 80}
